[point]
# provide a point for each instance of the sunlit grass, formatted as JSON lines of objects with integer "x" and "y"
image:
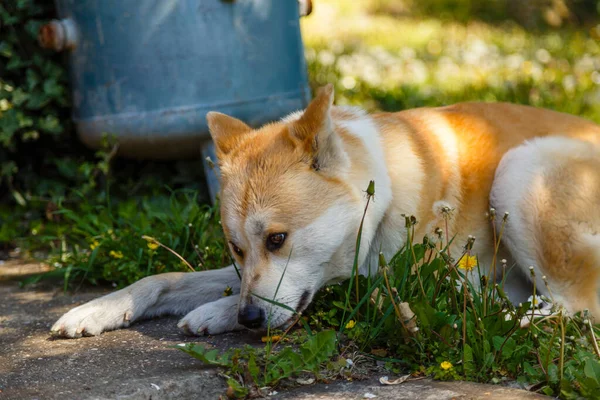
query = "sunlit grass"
{"x": 427, "y": 61}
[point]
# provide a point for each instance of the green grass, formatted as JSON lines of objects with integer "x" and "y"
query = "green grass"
{"x": 382, "y": 62}
{"x": 123, "y": 241}
{"x": 422, "y": 315}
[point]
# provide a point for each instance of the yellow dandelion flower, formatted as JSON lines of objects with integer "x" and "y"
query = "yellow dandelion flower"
{"x": 351, "y": 324}
{"x": 446, "y": 365}
{"x": 274, "y": 338}
{"x": 152, "y": 245}
{"x": 467, "y": 263}
{"x": 94, "y": 244}
{"x": 115, "y": 254}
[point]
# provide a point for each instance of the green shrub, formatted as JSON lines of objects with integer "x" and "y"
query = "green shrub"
{"x": 34, "y": 104}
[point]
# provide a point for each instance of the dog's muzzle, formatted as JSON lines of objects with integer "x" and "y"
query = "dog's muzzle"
{"x": 251, "y": 316}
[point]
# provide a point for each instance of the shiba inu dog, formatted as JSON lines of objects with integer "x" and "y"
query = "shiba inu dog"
{"x": 292, "y": 197}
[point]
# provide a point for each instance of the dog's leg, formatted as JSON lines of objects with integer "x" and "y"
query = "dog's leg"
{"x": 174, "y": 293}
{"x": 551, "y": 187}
{"x": 213, "y": 318}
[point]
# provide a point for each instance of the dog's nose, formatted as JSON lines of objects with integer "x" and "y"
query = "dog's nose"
{"x": 251, "y": 316}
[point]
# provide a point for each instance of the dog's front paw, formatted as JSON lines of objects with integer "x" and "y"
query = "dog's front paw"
{"x": 212, "y": 318}
{"x": 92, "y": 319}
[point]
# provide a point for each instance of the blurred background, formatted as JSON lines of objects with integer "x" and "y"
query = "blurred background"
{"x": 396, "y": 54}
{"x": 83, "y": 212}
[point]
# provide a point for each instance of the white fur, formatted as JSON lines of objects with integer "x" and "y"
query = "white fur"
{"x": 365, "y": 129}
{"x": 311, "y": 264}
{"x": 172, "y": 293}
{"x": 519, "y": 176}
{"x": 295, "y": 116}
{"x": 216, "y": 317}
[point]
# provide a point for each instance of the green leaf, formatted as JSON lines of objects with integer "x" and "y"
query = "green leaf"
{"x": 284, "y": 364}
{"x": 592, "y": 370}
{"x": 318, "y": 348}
{"x": 19, "y": 97}
{"x": 424, "y": 312}
{"x": 9, "y": 124}
{"x": 19, "y": 198}
{"x": 252, "y": 367}
{"x": 497, "y": 341}
{"x": 553, "y": 374}
{"x": 206, "y": 355}
{"x": 509, "y": 346}
{"x": 340, "y": 305}
{"x": 53, "y": 89}
{"x": 239, "y": 391}
{"x": 468, "y": 359}
{"x": 37, "y": 100}
{"x": 50, "y": 124}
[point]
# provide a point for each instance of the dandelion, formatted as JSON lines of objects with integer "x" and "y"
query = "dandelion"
{"x": 446, "y": 365}
{"x": 467, "y": 263}
{"x": 351, "y": 324}
{"x": 94, "y": 244}
{"x": 535, "y": 301}
{"x": 115, "y": 254}
{"x": 152, "y": 245}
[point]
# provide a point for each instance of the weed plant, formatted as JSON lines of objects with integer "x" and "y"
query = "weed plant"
{"x": 431, "y": 310}
{"x": 125, "y": 241}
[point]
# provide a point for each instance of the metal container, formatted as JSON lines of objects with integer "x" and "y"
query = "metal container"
{"x": 148, "y": 71}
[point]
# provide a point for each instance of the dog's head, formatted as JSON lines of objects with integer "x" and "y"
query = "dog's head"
{"x": 287, "y": 211}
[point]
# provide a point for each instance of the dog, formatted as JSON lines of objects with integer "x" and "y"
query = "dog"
{"x": 292, "y": 199}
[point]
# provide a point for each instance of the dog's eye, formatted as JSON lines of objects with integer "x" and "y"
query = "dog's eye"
{"x": 237, "y": 250}
{"x": 275, "y": 241}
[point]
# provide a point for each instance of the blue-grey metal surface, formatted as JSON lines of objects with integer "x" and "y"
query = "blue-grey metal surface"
{"x": 211, "y": 170}
{"x": 148, "y": 71}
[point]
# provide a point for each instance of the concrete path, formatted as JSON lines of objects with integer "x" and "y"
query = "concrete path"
{"x": 139, "y": 362}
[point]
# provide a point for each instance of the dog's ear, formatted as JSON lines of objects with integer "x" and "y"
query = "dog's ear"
{"x": 226, "y": 131}
{"x": 314, "y": 130}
